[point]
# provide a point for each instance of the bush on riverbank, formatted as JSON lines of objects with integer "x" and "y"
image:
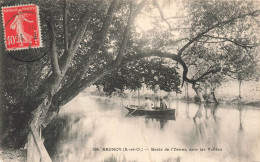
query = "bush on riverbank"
{"x": 11, "y": 155}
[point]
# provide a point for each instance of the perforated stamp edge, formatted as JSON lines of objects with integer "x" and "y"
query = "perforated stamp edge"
{"x": 39, "y": 27}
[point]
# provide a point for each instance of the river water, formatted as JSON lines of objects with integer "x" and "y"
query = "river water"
{"x": 97, "y": 130}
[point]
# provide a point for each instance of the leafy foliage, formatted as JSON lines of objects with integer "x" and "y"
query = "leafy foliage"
{"x": 149, "y": 72}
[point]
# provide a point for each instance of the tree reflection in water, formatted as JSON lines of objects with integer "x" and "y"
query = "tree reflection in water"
{"x": 206, "y": 124}
{"x": 103, "y": 124}
{"x": 187, "y": 110}
{"x": 200, "y": 123}
{"x": 162, "y": 120}
{"x": 207, "y": 131}
{"x": 242, "y": 146}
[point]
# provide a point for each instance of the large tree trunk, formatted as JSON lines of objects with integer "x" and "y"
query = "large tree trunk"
{"x": 138, "y": 97}
{"x": 199, "y": 91}
{"x": 206, "y": 93}
{"x": 239, "y": 89}
{"x": 212, "y": 97}
{"x": 187, "y": 90}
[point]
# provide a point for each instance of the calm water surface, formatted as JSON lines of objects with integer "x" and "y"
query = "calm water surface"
{"x": 231, "y": 132}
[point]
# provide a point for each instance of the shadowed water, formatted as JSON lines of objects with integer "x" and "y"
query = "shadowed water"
{"x": 95, "y": 123}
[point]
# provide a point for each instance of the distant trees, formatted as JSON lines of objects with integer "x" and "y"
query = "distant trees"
{"x": 244, "y": 66}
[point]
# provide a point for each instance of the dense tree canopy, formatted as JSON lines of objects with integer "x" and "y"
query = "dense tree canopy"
{"x": 150, "y": 73}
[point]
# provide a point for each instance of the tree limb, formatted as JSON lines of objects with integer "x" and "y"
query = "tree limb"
{"x": 99, "y": 40}
{"x": 162, "y": 15}
{"x": 76, "y": 85}
{"x": 233, "y": 41}
{"x": 65, "y": 27}
{"x": 212, "y": 71}
{"x": 53, "y": 52}
{"x": 75, "y": 89}
{"x": 130, "y": 21}
{"x": 75, "y": 41}
{"x": 213, "y": 27}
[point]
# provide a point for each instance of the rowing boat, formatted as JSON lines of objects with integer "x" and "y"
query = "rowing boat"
{"x": 139, "y": 111}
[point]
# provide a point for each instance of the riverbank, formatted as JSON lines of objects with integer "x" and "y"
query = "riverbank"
{"x": 12, "y": 155}
{"x": 227, "y": 93}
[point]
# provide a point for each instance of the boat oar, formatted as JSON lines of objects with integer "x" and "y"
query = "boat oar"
{"x": 133, "y": 111}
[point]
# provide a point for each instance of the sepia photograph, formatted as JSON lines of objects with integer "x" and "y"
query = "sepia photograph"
{"x": 130, "y": 81}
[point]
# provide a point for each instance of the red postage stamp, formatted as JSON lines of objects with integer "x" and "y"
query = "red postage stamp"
{"x": 21, "y": 27}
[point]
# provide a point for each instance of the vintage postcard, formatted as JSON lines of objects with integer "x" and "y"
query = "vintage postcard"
{"x": 130, "y": 81}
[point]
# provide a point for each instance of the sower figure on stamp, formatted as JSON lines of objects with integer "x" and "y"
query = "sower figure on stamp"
{"x": 17, "y": 24}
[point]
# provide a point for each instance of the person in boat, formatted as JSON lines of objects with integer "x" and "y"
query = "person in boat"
{"x": 148, "y": 104}
{"x": 163, "y": 105}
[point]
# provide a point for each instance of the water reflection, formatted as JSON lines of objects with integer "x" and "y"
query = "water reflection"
{"x": 206, "y": 125}
{"x": 187, "y": 110}
{"x": 200, "y": 123}
{"x": 162, "y": 120}
{"x": 101, "y": 123}
{"x": 241, "y": 139}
